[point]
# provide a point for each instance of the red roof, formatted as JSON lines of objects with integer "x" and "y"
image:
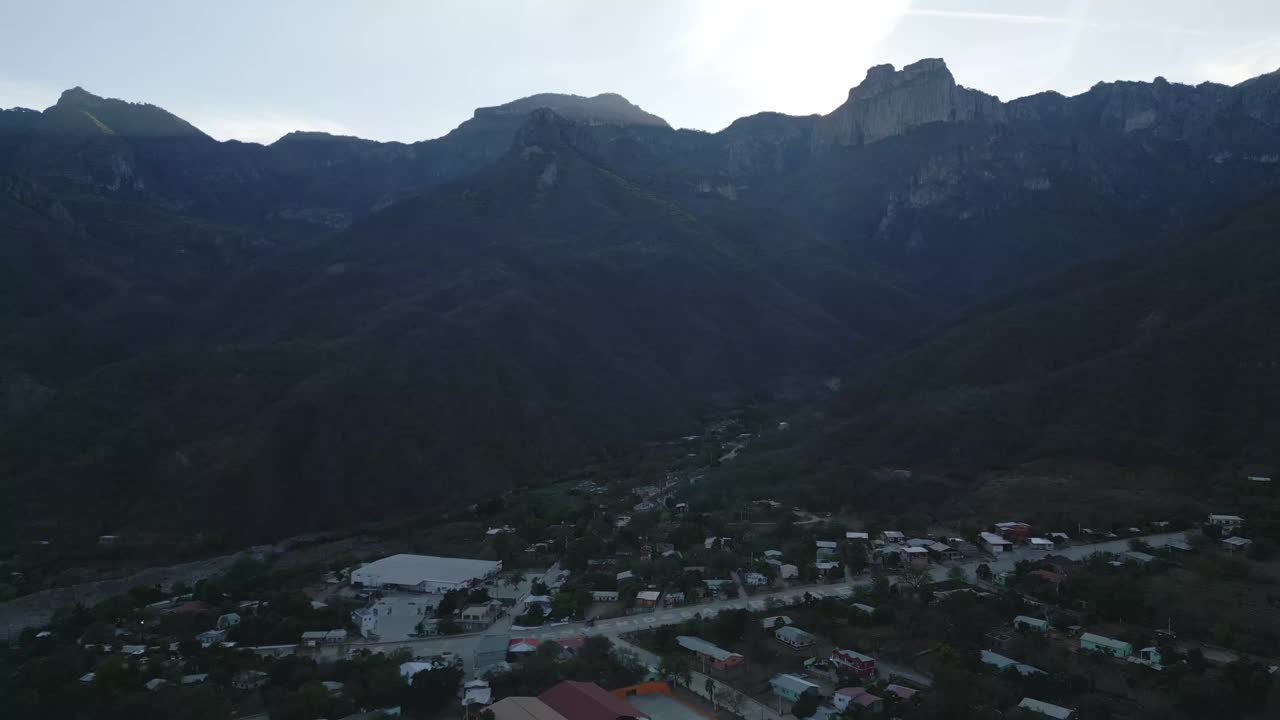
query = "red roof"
{"x": 866, "y": 699}
{"x": 587, "y": 701}
{"x": 572, "y": 643}
{"x": 193, "y": 607}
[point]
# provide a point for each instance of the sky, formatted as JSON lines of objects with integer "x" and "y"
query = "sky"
{"x": 412, "y": 70}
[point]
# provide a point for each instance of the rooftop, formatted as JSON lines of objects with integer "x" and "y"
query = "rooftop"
{"x": 587, "y": 701}
{"x": 792, "y": 683}
{"x": 524, "y": 708}
{"x": 702, "y": 647}
{"x": 1104, "y": 641}
{"x": 1057, "y": 712}
{"x": 407, "y": 569}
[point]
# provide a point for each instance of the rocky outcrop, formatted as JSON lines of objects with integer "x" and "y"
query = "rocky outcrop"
{"x": 890, "y": 102}
{"x": 603, "y": 109}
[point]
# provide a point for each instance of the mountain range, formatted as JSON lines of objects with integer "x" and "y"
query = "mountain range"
{"x": 261, "y": 339}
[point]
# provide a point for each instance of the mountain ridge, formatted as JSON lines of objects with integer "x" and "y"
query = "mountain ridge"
{"x": 191, "y": 323}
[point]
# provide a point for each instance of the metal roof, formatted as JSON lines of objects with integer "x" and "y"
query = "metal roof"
{"x": 407, "y": 569}
{"x": 702, "y": 647}
{"x": 1057, "y": 712}
{"x": 1105, "y": 641}
{"x": 793, "y": 683}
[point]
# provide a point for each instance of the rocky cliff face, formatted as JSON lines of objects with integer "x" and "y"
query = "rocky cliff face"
{"x": 890, "y": 102}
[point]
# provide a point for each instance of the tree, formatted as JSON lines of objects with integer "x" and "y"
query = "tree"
{"x": 431, "y": 691}
{"x": 983, "y": 572}
{"x": 957, "y": 573}
{"x": 913, "y": 577}
{"x": 804, "y": 707}
{"x": 676, "y": 668}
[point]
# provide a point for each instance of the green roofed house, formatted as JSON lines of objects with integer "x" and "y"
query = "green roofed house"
{"x": 1099, "y": 643}
{"x": 790, "y": 687}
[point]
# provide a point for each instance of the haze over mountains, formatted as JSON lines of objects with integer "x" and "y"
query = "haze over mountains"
{"x": 266, "y": 338}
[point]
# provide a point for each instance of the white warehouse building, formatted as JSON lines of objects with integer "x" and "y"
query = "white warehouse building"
{"x": 425, "y": 573}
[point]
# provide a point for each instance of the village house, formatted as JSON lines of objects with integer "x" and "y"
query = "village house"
{"x": 858, "y": 698}
{"x": 788, "y": 572}
{"x": 994, "y": 544}
{"x": 1024, "y": 622}
{"x": 366, "y": 621}
{"x": 916, "y": 556}
{"x": 1149, "y": 656}
{"x": 1226, "y": 522}
{"x": 773, "y": 554}
{"x": 863, "y": 608}
{"x": 312, "y": 638}
{"x": 826, "y": 549}
{"x": 648, "y": 598}
{"x": 1002, "y": 663}
{"x": 892, "y": 537}
{"x": 604, "y": 595}
{"x": 902, "y": 692}
{"x": 855, "y": 536}
{"x": 1057, "y": 712}
{"x": 794, "y": 637}
{"x": 477, "y": 617}
{"x": 209, "y": 638}
{"x": 755, "y": 579}
{"x": 1041, "y": 544}
{"x": 943, "y": 552}
{"x": 715, "y": 656}
{"x": 791, "y": 688}
{"x": 1140, "y": 558}
{"x": 1235, "y": 543}
{"x": 773, "y": 622}
{"x": 826, "y": 567}
{"x": 1014, "y": 532}
{"x": 1100, "y": 643}
{"x": 229, "y": 620}
{"x": 852, "y": 662}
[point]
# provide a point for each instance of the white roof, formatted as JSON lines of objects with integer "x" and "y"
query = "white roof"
{"x": 650, "y": 595}
{"x": 1226, "y": 517}
{"x": 1040, "y": 541}
{"x": 826, "y": 544}
{"x": 1104, "y": 641}
{"x": 892, "y": 534}
{"x": 1237, "y": 540}
{"x": 915, "y": 551}
{"x": 407, "y": 569}
{"x": 863, "y": 607}
{"x": 769, "y": 622}
{"x": 994, "y": 539}
{"x": 1057, "y": 712}
{"x": 851, "y": 535}
{"x": 702, "y": 647}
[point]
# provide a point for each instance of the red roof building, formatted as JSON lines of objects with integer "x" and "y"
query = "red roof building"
{"x": 852, "y": 661}
{"x": 587, "y": 701}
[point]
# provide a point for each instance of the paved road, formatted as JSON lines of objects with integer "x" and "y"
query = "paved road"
{"x": 464, "y": 645}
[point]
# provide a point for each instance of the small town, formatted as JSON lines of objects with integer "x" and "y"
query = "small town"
{"x": 596, "y": 600}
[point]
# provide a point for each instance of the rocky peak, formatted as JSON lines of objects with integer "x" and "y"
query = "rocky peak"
{"x": 78, "y": 97}
{"x": 603, "y": 109}
{"x": 80, "y": 112}
{"x": 888, "y": 102}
